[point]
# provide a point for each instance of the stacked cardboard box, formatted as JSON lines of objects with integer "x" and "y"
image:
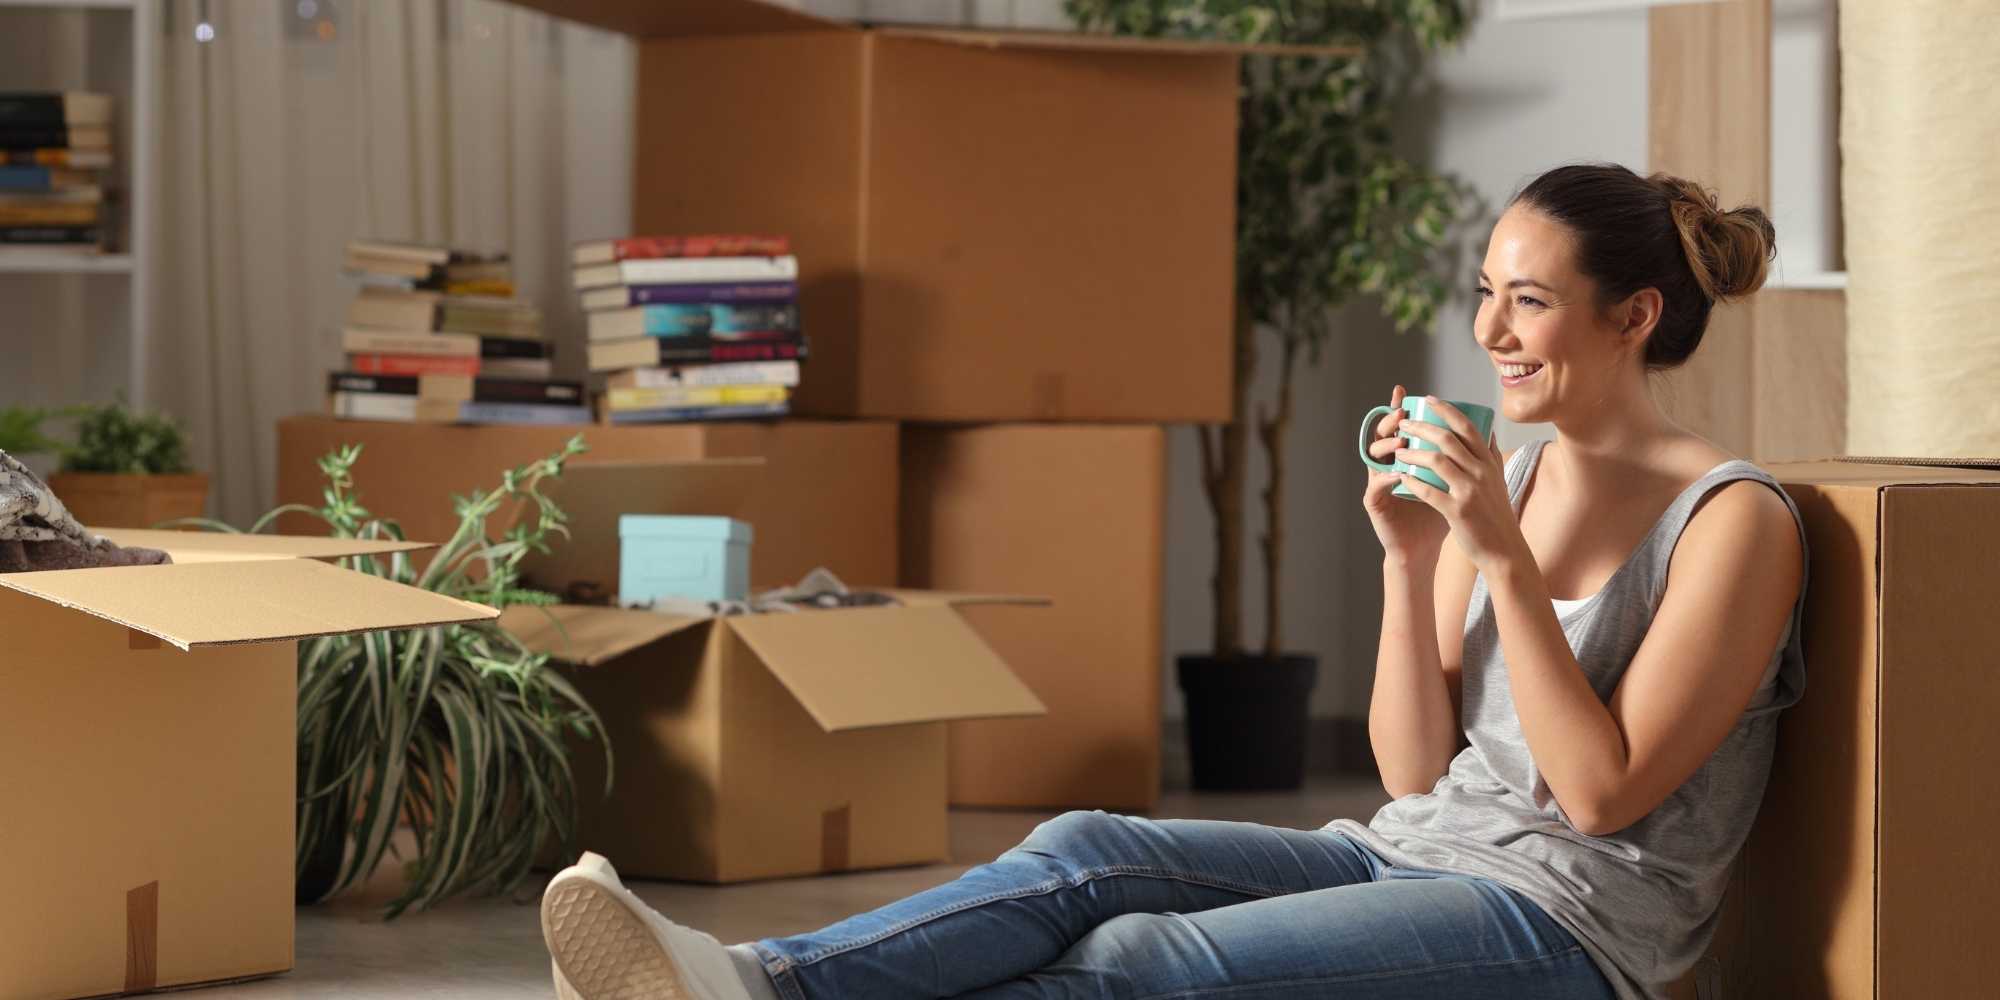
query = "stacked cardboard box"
{"x": 976, "y": 248}
{"x": 692, "y": 327}
{"x": 436, "y": 335}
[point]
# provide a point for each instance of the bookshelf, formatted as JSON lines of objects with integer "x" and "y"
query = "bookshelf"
{"x": 93, "y": 307}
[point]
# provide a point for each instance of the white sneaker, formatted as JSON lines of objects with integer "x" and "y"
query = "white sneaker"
{"x": 608, "y": 945}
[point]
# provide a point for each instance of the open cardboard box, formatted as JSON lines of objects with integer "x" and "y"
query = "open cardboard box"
{"x": 147, "y": 757}
{"x": 765, "y": 745}
{"x": 1866, "y": 874}
{"x": 990, "y": 225}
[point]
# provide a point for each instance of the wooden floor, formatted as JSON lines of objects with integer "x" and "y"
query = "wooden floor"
{"x": 493, "y": 948}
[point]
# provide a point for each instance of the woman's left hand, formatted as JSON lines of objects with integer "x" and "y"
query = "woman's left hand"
{"x": 1478, "y": 509}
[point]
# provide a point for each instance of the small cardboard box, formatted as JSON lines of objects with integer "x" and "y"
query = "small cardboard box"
{"x": 1076, "y": 513}
{"x": 826, "y": 496}
{"x": 1868, "y": 873}
{"x": 990, "y": 225}
{"x": 778, "y": 744}
{"x": 150, "y": 790}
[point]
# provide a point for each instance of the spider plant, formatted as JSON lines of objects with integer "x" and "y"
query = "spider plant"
{"x": 456, "y": 731}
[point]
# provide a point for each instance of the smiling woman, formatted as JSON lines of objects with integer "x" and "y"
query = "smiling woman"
{"x": 1618, "y": 742}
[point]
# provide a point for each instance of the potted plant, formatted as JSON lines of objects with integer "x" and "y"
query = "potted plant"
{"x": 1327, "y": 209}
{"x": 126, "y": 469}
{"x": 457, "y": 733}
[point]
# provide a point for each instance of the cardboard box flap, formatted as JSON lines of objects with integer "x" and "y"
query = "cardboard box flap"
{"x": 864, "y": 667}
{"x": 595, "y": 494}
{"x": 587, "y": 636}
{"x": 687, "y": 18}
{"x": 1093, "y": 42}
{"x": 223, "y": 603}
{"x": 956, "y": 599}
{"x": 216, "y": 546}
{"x": 1887, "y": 471}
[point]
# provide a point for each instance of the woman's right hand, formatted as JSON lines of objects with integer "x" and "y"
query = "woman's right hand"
{"x": 1409, "y": 531}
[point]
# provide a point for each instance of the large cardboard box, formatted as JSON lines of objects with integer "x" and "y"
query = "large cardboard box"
{"x": 1075, "y": 513}
{"x": 147, "y": 758}
{"x": 826, "y": 497}
{"x": 990, "y": 225}
{"x": 1868, "y": 873}
{"x": 778, "y": 744}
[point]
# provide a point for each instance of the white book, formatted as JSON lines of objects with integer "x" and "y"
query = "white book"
{"x": 785, "y": 373}
{"x": 688, "y": 270}
{"x": 374, "y": 406}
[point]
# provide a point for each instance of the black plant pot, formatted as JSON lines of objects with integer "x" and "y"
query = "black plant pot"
{"x": 1246, "y": 720}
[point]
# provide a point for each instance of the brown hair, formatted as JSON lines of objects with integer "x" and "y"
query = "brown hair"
{"x": 1659, "y": 232}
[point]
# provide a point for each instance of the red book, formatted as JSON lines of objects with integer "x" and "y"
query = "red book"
{"x": 410, "y": 364}
{"x": 654, "y": 247}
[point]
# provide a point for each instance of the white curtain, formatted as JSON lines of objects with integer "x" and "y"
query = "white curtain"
{"x": 298, "y": 126}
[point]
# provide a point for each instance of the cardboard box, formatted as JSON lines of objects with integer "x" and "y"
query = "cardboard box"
{"x": 826, "y": 497}
{"x": 990, "y": 225}
{"x": 150, "y": 790}
{"x": 1076, "y": 513}
{"x": 779, "y": 744}
{"x": 1868, "y": 873}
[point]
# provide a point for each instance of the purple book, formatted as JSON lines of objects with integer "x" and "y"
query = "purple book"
{"x": 625, "y": 296}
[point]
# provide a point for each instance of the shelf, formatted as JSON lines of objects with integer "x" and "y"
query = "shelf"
{"x": 24, "y": 261}
{"x": 70, "y": 4}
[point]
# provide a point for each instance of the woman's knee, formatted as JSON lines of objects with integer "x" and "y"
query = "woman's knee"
{"x": 1077, "y": 834}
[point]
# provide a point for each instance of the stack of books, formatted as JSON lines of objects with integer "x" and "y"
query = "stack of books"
{"x": 436, "y": 335}
{"x": 54, "y": 149}
{"x": 692, "y": 327}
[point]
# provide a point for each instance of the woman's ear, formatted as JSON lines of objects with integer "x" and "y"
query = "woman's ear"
{"x": 1638, "y": 316}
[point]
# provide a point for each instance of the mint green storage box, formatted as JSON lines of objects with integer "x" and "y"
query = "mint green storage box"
{"x": 704, "y": 558}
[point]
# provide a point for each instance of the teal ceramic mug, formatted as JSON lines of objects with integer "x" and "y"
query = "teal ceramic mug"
{"x": 1419, "y": 408}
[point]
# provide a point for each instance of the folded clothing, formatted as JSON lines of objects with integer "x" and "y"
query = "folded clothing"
{"x": 38, "y": 533}
{"x": 820, "y": 589}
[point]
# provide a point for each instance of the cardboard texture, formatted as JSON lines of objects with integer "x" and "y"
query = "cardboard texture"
{"x": 1076, "y": 513}
{"x": 826, "y": 495}
{"x": 138, "y": 501}
{"x": 772, "y": 745}
{"x": 974, "y": 242}
{"x": 154, "y": 788}
{"x": 1863, "y": 876}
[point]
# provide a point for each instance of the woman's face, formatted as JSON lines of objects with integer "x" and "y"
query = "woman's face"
{"x": 1557, "y": 352}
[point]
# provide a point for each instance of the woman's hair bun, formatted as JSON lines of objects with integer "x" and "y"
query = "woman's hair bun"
{"x": 1729, "y": 252}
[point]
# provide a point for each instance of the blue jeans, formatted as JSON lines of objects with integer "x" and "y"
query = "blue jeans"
{"x": 1097, "y": 905}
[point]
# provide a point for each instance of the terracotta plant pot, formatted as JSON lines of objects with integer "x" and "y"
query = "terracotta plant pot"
{"x": 118, "y": 500}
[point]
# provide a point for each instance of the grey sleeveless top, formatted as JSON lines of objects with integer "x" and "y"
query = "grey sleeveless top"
{"x": 1642, "y": 901}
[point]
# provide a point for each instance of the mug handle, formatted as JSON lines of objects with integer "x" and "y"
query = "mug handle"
{"x": 1367, "y": 429}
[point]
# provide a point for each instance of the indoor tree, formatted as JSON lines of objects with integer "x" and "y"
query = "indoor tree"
{"x": 1327, "y": 208}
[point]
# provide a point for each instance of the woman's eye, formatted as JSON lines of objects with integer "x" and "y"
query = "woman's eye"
{"x": 1482, "y": 291}
{"x": 1529, "y": 300}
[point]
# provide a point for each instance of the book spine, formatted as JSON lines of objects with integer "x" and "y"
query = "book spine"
{"x": 780, "y": 373}
{"x": 502, "y": 390}
{"x": 411, "y": 364}
{"x": 683, "y": 414}
{"x": 715, "y": 395}
{"x": 522, "y": 413}
{"x": 372, "y": 406}
{"x": 715, "y": 317}
{"x": 709, "y": 292}
{"x": 512, "y": 347}
{"x": 31, "y": 137}
{"x": 36, "y": 179}
{"x": 707, "y": 270}
{"x": 50, "y": 235}
{"x": 73, "y": 158}
{"x": 655, "y": 247}
{"x": 693, "y": 354}
{"x": 58, "y": 213}
{"x": 22, "y": 110}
